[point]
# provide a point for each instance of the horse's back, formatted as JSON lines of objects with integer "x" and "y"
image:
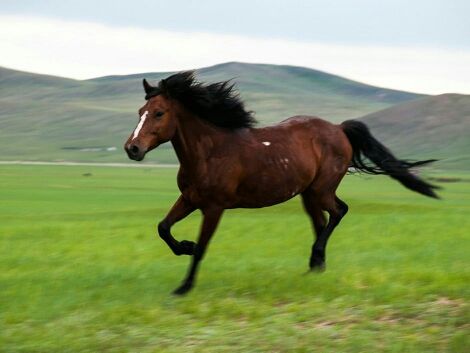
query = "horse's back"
{"x": 281, "y": 160}
{"x": 319, "y": 134}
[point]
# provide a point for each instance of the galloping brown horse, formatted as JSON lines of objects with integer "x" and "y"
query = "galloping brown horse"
{"x": 226, "y": 163}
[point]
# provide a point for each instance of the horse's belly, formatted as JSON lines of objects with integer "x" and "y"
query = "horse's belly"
{"x": 264, "y": 201}
{"x": 264, "y": 192}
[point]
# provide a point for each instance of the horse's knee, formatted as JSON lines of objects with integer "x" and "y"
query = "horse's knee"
{"x": 183, "y": 247}
{"x": 163, "y": 229}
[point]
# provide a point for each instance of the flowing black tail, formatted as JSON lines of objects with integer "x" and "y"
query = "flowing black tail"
{"x": 364, "y": 144}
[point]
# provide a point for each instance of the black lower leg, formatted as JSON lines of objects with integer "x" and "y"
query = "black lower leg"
{"x": 189, "y": 280}
{"x": 317, "y": 258}
{"x": 183, "y": 247}
{"x": 180, "y": 210}
{"x": 209, "y": 224}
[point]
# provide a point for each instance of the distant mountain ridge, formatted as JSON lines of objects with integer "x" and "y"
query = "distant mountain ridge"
{"x": 276, "y": 77}
{"x": 54, "y": 118}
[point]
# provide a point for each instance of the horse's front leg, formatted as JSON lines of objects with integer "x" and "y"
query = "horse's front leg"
{"x": 209, "y": 224}
{"x": 180, "y": 210}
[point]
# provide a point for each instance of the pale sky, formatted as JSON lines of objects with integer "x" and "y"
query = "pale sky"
{"x": 419, "y": 46}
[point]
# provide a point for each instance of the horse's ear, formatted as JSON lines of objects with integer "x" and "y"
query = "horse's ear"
{"x": 147, "y": 86}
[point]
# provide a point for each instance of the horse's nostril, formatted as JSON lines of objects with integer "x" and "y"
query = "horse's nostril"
{"x": 134, "y": 152}
{"x": 134, "y": 149}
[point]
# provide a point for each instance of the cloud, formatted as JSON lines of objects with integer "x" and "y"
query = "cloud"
{"x": 84, "y": 50}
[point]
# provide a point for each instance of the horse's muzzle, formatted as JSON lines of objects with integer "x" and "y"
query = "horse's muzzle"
{"x": 135, "y": 152}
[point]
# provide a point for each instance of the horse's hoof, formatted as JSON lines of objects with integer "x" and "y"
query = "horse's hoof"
{"x": 187, "y": 247}
{"x": 317, "y": 265}
{"x": 183, "y": 289}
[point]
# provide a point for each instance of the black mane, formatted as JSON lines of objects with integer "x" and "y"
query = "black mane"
{"x": 218, "y": 103}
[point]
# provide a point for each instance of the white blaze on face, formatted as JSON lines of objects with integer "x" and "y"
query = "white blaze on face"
{"x": 141, "y": 123}
{"x": 266, "y": 143}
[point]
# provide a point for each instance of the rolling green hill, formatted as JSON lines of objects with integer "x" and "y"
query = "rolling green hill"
{"x": 430, "y": 127}
{"x": 52, "y": 118}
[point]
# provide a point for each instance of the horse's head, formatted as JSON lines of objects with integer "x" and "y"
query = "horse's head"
{"x": 156, "y": 125}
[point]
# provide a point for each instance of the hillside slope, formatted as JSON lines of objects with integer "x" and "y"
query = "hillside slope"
{"x": 276, "y": 92}
{"x": 52, "y": 118}
{"x": 430, "y": 127}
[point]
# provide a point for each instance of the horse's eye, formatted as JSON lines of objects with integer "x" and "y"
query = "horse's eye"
{"x": 159, "y": 114}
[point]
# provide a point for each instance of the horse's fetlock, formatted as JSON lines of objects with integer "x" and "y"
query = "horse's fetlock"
{"x": 187, "y": 247}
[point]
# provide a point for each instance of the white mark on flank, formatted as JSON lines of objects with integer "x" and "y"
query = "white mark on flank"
{"x": 286, "y": 160}
{"x": 266, "y": 143}
{"x": 141, "y": 123}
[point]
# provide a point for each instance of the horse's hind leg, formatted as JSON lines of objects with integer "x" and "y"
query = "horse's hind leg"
{"x": 312, "y": 207}
{"x": 315, "y": 204}
{"x": 336, "y": 209}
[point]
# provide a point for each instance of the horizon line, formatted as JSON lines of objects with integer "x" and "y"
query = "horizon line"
{"x": 221, "y": 64}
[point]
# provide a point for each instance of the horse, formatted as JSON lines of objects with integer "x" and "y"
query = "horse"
{"x": 225, "y": 162}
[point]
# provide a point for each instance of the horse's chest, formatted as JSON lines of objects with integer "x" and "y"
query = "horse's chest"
{"x": 212, "y": 183}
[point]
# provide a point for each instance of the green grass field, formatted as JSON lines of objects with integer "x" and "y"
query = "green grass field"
{"x": 81, "y": 269}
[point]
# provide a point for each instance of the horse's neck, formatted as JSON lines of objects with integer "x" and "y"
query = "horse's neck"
{"x": 193, "y": 140}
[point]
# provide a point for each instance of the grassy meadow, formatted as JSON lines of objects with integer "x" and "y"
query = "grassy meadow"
{"x": 81, "y": 269}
